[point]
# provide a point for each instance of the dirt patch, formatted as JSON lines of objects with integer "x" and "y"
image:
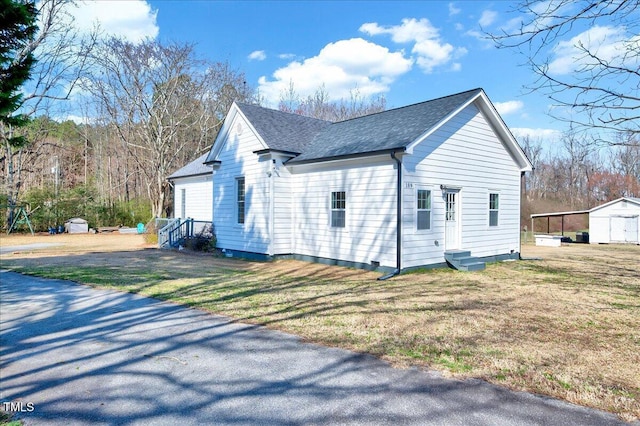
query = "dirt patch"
{"x": 73, "y": 244}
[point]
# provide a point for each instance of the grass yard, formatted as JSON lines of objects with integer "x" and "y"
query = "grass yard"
{"x": 566, "y": 326}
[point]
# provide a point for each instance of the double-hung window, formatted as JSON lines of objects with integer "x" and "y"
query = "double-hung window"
{"x": 493, "y": 209}
{"x": 240, "y": 200}
{"x": 183, "y": 203}
{"x": 424, "y": 209}
{"x": 338, "y": 209}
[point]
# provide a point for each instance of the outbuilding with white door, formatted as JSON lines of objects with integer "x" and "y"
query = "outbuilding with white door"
{"x": 617, "y": 221}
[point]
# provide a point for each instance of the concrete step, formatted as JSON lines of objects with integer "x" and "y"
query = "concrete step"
{"x": 476, "y": 266}
{"x": 466, "y": 260}
{"x": 463, "y": 261}
{"x": 455, "y": 254}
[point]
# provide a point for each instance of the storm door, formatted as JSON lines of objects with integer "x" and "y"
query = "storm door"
{"x": 452, "y": 220}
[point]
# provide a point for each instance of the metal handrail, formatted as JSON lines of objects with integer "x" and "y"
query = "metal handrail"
{"x": 180, "y": 232}
{"x": 163, "y": 233}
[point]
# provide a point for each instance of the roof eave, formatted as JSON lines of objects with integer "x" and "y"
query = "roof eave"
{"x": 295, "y": 162}
{"x": 172, "y": 178}
{"x": 276, "y": 151}
{"x": 499, "y": 125}
{"x": 617, "y": 200}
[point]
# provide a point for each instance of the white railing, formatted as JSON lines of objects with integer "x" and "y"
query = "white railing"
{"x": 165, "y": 232}
{"x": 175, "y": 231}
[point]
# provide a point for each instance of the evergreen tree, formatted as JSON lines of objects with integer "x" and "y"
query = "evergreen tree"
{"x": 17, "y": 29}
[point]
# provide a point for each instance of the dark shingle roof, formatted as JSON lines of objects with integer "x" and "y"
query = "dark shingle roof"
{"x": 318, "y": 140}
{"x": 384, "y": 131}
{"x": 194, "y": 168}
{"x": 283, "y": 131}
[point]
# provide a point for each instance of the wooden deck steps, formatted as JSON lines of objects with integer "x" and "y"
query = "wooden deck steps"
{"x": 463, "y": 261}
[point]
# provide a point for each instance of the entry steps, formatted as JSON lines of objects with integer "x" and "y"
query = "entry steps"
{"x": 463, "y": 261}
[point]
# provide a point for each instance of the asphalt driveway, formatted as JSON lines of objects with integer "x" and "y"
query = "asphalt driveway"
{"x": 71, "y": 354}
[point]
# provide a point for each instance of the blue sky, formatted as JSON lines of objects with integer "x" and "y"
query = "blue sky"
{"x": 408, "y": 51}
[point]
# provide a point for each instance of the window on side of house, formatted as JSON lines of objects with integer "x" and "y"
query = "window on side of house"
{"x": 183, "y": 203}
{"x": 240, "y": 199}
{"x": 493, "y": 209}
{"x": 423, "y": 204}
{"x": 338, "y": 209}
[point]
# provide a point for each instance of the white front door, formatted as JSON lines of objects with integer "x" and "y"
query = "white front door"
{"x": 452, "y": 220}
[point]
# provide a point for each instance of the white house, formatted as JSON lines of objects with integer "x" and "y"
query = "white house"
{"x": 392, "y": 190}
{"x": 617, "y": 221}
{"x": 192, "y": 191}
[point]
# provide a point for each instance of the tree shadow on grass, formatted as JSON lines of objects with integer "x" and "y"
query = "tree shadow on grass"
{"x": 93, "y": 356}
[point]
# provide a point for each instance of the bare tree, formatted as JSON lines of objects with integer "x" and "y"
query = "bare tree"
{"x": 533, "y": 150}
{"x": 586, "y": 56}
{"x": 60, "y": 53}
{"x": 626, "y": 156}
{"x": 625, "y": 160}
{"x": 164, "y": 104}
{"x": 321, "y": 106}
{"x": 575, "y": 166}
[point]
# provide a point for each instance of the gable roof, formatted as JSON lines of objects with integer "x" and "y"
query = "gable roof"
{"x": 194, "y": 168}
{"x": 283, "y": 131}
{"x": 276, "y": 130}
{"x": 313, "y": 140}
{"x": 384, "y": 131}
{"x": 630, "y": 199}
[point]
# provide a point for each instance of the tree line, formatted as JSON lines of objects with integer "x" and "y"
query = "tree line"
{"x": 145, "y": 109}
{"x": 576, "y": 173}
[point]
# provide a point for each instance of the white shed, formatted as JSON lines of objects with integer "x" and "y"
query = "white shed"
{"x": 617, "y": 221}
{"x": 76, "y": 225}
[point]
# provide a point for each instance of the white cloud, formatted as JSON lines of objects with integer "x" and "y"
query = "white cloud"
{"x": 453, "y": 10}
{"x": 411, "y": 30}
{"x": 487, "y": 18}
{"x": 76, "y": 119}
{"x": 536, "y": 134}
{"x": 485, "y": 42}
{"x": 610, "y": 44}
{"x": 257, "y": 55}
{"x": 340, "y": 67}
{"x": 511, "y": 25}
{"x": 430, "y": 50}
{"x": 133, "y": 20}
{"x": 508, "y": 107}
{"x": 287, "y": 55}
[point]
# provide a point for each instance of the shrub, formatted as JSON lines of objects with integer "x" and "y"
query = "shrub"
{"x": 52, "y": 209}
{"x": 151, "y": 232}
{"x": 205, "y": 240}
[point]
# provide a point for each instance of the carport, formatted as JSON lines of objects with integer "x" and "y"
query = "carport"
{"x": 556, "y": 214}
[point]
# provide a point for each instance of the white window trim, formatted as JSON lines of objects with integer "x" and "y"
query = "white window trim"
{"x": 424, "y": 188}
{"x": 346, "y": 210}
{"x": 489, "y": 210}
{"x": 235, "y": 201}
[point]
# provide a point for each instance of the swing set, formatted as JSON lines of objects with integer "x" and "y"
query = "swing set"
{"x": 18, "y": 216}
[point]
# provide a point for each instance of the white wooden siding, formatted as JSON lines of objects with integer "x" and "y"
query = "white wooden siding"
{"x": 282, "y": 210}
{"x": 288, "y": 207}
{"x": 464, "y": 153}
{"x": 369, "y": 234}
{"x": 238, "y": 159}
{"x": 198, "y": 197}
